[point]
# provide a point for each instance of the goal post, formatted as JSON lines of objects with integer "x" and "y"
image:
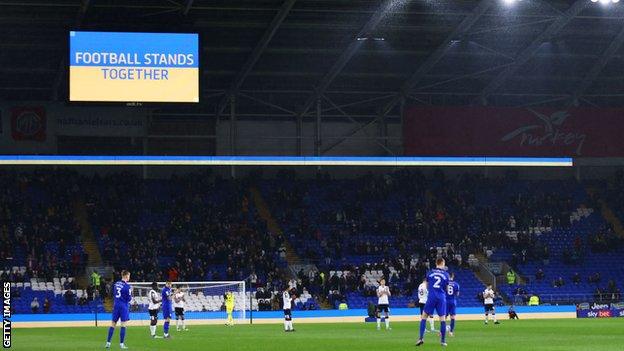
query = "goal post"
{"x": 205, "y": 301}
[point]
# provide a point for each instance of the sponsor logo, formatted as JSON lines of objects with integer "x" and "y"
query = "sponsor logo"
{"x": 548, "y": 131}
{"x": 583, "y": 306}
{"x": 6, "y": 315}
{"x": 596, "y": 306}
{"x": 604, "y": 314}
{"x": 28, "y": 123}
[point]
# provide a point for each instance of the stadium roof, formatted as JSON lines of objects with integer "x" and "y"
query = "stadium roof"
{"x": 281, "y": 57}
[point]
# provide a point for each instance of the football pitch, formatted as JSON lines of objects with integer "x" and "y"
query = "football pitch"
{"x": 556, "y": 334}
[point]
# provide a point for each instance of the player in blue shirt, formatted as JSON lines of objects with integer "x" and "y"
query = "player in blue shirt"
{"x": 166, "y": 307}
{"x": 437, "y": 282}
{"x": 452, "y": 292}
{"x": 122, "y": 294}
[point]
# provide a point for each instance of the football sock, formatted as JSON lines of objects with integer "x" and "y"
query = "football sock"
{"x": 111, "y": 330}
{"x": 423, "y": 326}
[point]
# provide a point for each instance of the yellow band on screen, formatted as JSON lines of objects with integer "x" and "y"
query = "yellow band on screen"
{"x": 150, "y": 84}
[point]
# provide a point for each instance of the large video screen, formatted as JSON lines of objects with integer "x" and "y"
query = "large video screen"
{"x": 133, "y": 67}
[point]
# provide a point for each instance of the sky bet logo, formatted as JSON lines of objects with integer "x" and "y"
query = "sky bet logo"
{"x": 6, "y": 315}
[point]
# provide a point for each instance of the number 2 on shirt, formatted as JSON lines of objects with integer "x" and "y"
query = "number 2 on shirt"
{"x": 437, "y": 282}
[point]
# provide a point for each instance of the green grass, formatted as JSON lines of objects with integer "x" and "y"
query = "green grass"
{"x": 561, "y": 334}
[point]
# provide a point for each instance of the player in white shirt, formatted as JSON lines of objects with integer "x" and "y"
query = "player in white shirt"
{"x": 422, "y": 300}
{"x": 287, "y": 302}
{"x": 153, "y": 307}
{"x": 383, "y": 303}
{"x": 178, "y": 306}
{"x": 488, "y": 304}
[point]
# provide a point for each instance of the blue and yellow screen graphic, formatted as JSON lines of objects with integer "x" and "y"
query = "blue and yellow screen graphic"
{"x": 133, "y": 67}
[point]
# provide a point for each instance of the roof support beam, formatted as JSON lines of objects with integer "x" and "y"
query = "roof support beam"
{"x": 607, "y": 55}
{"x": 526, "y": 54}
{"x": 346, "y": 55}
{"x": 257, "y": 52}
{"x": 463, "y": 27}
{"x": 421, "y": 72}
{"x": 187, "y": 7}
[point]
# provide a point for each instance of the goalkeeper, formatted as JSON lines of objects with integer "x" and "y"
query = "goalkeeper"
{"x": 229, "y": 308}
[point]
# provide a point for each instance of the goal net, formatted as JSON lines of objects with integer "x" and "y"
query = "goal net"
{"x": 204, "y": 301}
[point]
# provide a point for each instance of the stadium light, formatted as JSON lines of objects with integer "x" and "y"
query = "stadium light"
{"x": 511, "y": 2}
{"x": 370, "y": 38}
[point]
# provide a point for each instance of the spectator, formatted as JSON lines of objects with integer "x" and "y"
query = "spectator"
{"x": 70, "y": 297}
{"x": 34, "y": 305}
{"x": 558, "y": 282}
{"x": 173, "y": 274}
{"x": 95, "y": 279}
{"x": 598, "y": 295}
{"x": 539, "y": 275}
{"x": 576, "y": 278}
{"x": 90, "y": 292}
{"x": 46, "y": 305}
{"x": 534, "y": 300}
{"x": 594, "y": 278}
{"x": 511, "y": 277}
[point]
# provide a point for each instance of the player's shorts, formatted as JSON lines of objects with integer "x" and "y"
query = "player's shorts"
{"x": 422, "y": 307}
{"x": 451, "y": 308}
{"x": 437, "y": 304}
{"x": 287, "y": 314}
{"x": 166, "y": 311}
{"x": 229, "y": 309}
{"x": 121, "y": 312}
{"x": 179, "y": 311}
{"x": 383, "y": 307}
{"x": 489, "y": 307}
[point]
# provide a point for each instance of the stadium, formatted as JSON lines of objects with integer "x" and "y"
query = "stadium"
{"x": 312, "y": 174}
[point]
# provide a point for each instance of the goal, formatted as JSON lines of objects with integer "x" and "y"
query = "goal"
{"x": 205, "y": 301}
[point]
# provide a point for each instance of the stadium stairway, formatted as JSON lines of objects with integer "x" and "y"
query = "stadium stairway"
{"x": 485, "y": 276}
{"x": 608, "y": 215}
{"x": 263, "y": 210}
{"x": 88, "y": 240}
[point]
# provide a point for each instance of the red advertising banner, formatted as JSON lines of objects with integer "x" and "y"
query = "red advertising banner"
{"x": 28, "y": 123}
{"x": 494, "y": 131}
